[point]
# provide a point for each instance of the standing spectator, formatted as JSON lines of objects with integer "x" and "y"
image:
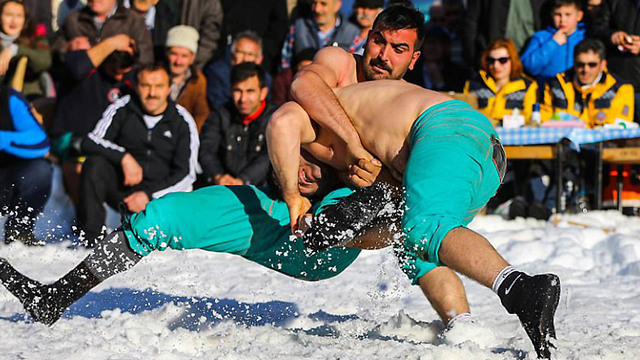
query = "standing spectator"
{"x": 246, "y": 47}
{"x": 60, "y": 9}
{"x": 550, "y": 51}
{"x": 161, "y": 15}
{"x": 25, "y": 176}
{"x": 141, "y": 149}
{"x": 325, "y": 27}
{"x": 364, "y": 13}
{"x": 188, "y": 84}
{"x": 40, "y": 11}
{"x": 234, "y": 148}
{"x": 206, "y": 17}
{"x": 19, "y": 37}
{"x": 589, "y": 91}
{"x": 500, "y": 85}
{"x": 434, "y": 69}
{"x": 102, "y": 19}
{"x": 488, "y": 20}
{"x": 267, "y": 18}
{"x": 594, "y": 7}
{"x": 281, "y": 92}
{"x": 94, "y": 79}
{"x": 618, "y": 27}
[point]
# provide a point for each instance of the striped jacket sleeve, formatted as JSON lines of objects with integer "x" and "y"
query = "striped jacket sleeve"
{"x": 100, "y": 140}
{"x": 184, "y": 162}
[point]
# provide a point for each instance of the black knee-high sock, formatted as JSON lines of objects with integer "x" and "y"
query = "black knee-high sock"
{"x": 46, "y": 303}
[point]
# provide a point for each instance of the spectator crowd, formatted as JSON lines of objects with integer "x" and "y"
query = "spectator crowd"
{"x": 134, "y": 99}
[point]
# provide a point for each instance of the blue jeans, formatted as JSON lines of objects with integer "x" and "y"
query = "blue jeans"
{"x": 25, "y": 186}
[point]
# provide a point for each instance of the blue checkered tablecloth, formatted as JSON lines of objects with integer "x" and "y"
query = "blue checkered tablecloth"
{"x": 551, "y": 135}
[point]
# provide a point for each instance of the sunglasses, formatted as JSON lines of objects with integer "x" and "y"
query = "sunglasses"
{"x": 501, "y": 60}
{"x": 580, "y": 64}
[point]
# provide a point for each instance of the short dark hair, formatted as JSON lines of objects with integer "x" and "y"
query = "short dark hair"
{"x": 152, "y": 67}
{"x": 247, "y": 70}
{"x": 577, "y": 3}
{"x": 593, "y": 45}
{"x": 121, "y": 59}
{"x": 303, "y": 55}
{"x": 399, "y": 17}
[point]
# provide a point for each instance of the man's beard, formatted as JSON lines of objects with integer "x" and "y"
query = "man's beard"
{"x": 371, "y": 74}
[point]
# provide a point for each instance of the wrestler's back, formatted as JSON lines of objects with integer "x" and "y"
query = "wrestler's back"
{"x": 383, "y": 112}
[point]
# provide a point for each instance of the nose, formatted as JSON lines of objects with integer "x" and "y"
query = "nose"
{"x": 383, "y": 55}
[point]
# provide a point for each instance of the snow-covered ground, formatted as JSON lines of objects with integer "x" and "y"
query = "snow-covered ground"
{"x": 200, "y": 305}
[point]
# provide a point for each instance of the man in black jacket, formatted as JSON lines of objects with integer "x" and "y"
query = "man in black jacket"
{"x": 234, "y": 150}
{"x": 618, "y": 27}
{"x": 143, "y": 147}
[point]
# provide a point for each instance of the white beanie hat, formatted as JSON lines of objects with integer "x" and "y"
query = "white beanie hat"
{"x": 183, "y": 36}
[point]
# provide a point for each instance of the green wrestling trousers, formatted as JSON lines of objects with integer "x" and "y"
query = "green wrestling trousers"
{"x": 451, "y": 174}
{"x": 242, "y": 220}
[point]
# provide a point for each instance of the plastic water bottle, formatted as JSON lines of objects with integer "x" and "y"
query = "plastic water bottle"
{"x": 536, "y": 118}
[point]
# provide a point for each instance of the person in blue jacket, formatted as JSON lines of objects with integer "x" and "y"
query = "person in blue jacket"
{"x": 550, "y": 51}
{"x": 25, "y": 176}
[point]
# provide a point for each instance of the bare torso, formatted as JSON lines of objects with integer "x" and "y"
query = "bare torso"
{"x": 383, "y": 112}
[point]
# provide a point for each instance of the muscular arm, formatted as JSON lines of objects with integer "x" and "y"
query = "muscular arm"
{"x": 289, "y": 128}
{"x": 332, "y": 67}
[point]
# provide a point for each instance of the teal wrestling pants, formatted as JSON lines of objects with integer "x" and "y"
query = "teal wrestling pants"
{"x": 242, "y": 220}
{"x": 456, "y": 164}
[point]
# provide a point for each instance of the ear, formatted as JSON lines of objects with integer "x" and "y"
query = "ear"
{"x": 580, "y": 15}
{"x": 414, "y": 58}
{"x": 263, "y": 93}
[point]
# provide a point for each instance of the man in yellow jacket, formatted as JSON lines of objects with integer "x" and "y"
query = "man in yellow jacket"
{"x": 589, "y": 91}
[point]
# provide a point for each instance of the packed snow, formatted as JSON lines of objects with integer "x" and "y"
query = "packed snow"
{"x": 202, "y": 305}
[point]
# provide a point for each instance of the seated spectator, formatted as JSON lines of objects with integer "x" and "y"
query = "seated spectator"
{"x": 617, "y": 26}
{"x": 143, "y": 148}
{"x": 282, "y": 82}
{"x": 19, "y": 37}
{"x": 267, "y": 18}
{"x": 500, "y": 85}
{"x": 434, "y": 69}
{"x": 25, "y": 176}
{"x": 99, "y": 20}
{"x": 325, "y": 27}
{"x": 550, "y": 51}
{"x": 60, "y": 9}
{"x": 246, "y": 47}
{"x": 364, "y": 13}
{"x": 234, "y": 148}
{"x": 188, "y": 84}
{"x": 94, "y": 79}
{"x": 589, "y": 91}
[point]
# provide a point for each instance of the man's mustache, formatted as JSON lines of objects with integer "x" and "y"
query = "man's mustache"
{"x": 379, "y": 63}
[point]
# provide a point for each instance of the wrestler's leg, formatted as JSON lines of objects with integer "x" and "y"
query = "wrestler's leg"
{"x": 451, "y": 161}
{"x": 179, "y": 221}
{"x": 444, "y": 290}
{"x": 46, "y": 303}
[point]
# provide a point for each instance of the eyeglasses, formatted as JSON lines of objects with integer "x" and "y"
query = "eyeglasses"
{"x": 580, "y": 64}
{"x": 501, "y": 60}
